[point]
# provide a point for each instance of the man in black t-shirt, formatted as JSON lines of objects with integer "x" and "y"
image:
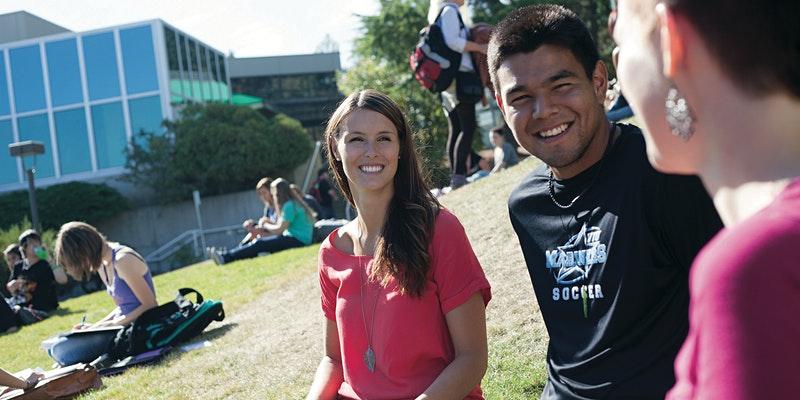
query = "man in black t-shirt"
{"x": 36, "y": 280}
{"x": 608, "y": 241}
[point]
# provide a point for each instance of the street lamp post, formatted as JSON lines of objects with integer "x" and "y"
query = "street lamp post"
{"x": 24, "y": 149}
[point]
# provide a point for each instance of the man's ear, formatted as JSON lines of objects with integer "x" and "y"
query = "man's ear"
{"x": 600, "y": 81}
{"x": 673, "y": 50}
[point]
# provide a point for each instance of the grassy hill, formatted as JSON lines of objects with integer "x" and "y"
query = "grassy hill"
{"x": 271, "y": 341}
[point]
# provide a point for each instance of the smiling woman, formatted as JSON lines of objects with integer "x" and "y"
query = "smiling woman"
{"x": 403, "y": 294}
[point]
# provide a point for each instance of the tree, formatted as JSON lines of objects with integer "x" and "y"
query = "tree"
{"x": 216, "y": 149}
{"x": 594, "y": 13}
{"x": 328, "y": 45}
{"x": 382, "y": 64}
{"x": 382, "y": 51}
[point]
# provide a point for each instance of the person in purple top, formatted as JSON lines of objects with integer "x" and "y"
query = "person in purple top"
{"x": 83, "y": 251}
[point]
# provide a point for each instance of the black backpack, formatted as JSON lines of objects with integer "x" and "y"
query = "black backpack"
{"x": 433, "y": 63}
{"x": 167, "y": 325}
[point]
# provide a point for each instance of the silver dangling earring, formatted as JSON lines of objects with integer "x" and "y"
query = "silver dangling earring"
{"x": 680, "y": 117}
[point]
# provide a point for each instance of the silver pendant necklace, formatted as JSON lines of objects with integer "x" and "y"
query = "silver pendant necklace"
{"x": 369, "y": 354}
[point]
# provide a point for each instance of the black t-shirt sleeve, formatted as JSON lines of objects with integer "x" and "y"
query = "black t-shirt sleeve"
{"x": 685, "y": 215}
{"x": 40, "y": 273}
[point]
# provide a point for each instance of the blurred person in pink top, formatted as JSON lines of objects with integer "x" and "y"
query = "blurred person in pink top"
{"x": 403, "y": 294}
{"x": 717, "y": 84}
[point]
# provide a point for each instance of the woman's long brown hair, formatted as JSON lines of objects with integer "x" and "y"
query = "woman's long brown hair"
{"x": 402, "y": 248}
{"x": 283, "y": 193}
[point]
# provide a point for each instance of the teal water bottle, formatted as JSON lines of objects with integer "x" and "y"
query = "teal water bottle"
{"x": 41, "y": 252}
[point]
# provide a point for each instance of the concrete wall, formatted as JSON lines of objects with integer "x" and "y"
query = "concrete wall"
{"x": 148, "y": 228}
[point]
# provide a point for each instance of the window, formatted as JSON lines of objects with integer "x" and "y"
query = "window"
{"x": 146, "y": 115}
{"x": 37, "y": 128}
{"x": 101, "y": 65}
{"x": 5, "y": 107}
{"x": 64, "y": 72}
{"x": 8, "y": 164}
{"x": 193, "y": 56}
{"x": 223, "y": 77}
{"x": 205, "y": 74}
{"x": 26, "y": 74}
{"x": 172, "y": 49}
{"x": 109, "y": 135}
{"x": 73, "y": 141}
{"x": 184, "y": 53}
{"x": 215, "y": 91}
{"x": 138, "y": 59}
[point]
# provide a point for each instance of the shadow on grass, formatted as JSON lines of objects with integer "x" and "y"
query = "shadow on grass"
{"x": 216, "y": 333}
{"x": 66, "y": 311}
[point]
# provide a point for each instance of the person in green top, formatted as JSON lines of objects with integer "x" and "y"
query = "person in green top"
{"x": 294, "y": 227}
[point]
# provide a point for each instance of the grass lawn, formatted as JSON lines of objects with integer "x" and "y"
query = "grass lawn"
{"x": 271, "y": 340}
{"x": 236, "y": 284}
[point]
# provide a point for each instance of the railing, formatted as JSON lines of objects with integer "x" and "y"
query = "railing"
{"x": 159, "y": 260}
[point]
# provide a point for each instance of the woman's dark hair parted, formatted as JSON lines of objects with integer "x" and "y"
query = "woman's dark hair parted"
{"x": 526, "y": 29}
{"x": 79, "y": 249}
{"x": 402, "y": 249}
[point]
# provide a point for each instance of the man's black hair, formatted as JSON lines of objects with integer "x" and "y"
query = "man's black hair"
{"x": 526, "y": 29}
{"x": 29, "y": 234}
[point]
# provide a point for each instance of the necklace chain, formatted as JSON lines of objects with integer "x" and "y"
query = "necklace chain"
{"x": 369, "y": 354}
{"x": 551, "y": 178}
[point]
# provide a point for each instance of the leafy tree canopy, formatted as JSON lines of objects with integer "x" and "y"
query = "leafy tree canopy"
{"x": 216, "y": 149}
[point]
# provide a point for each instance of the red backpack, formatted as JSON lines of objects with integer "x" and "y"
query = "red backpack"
{"x": 433, "y": 63}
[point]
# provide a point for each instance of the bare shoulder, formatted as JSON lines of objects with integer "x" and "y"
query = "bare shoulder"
{"x": 130, "y": 263}
{"x": 343, "y": 239}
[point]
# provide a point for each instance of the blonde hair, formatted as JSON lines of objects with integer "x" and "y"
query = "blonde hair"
{"x": 264, "y": 182}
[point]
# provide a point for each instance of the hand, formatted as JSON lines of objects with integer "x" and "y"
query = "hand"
{"x": 81, "y": 326}
{"x": 263, "y": 220}
{"x": 32, "y": 380}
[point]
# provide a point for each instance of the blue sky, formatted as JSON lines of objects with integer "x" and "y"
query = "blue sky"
{"x": 249, "y": 28}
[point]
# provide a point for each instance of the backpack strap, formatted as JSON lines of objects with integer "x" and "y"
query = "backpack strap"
{"x": 182, "y": 292}
{"x": 458, "y": 13}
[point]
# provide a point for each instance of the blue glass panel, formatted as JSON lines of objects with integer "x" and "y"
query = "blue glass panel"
{"x": 109, "y": 135}
{"x": 64, "y": 72}
{"x": 5, "y": 109}
{"x": 101, "y": 65}
{"x": 8, "y": 164}
{"x": 73, "y": 141}
{"x": 37, "y": 128}
{"x": 146, "y": 115}
{"x": 26, "y": 71}
{"x": 138, "y": 59}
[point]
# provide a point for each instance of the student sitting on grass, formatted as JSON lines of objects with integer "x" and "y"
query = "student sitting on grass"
{"x": 255, "y": 229}
{"x": 13, "y": 258}
{"x": 82, "y": 250}
{"x": 294, "y": 227}
{"x": 34, "y": 281}
{"x": 403, "y": 294}
{"x": 504, "y": 153}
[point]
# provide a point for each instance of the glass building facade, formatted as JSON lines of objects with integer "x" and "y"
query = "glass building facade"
{"x": 86, "y": 95}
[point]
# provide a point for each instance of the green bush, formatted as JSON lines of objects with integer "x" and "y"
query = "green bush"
{"x": 57, "y": 204}
{"x": 11, "y": 234}
{"x": 216, "y": 149}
